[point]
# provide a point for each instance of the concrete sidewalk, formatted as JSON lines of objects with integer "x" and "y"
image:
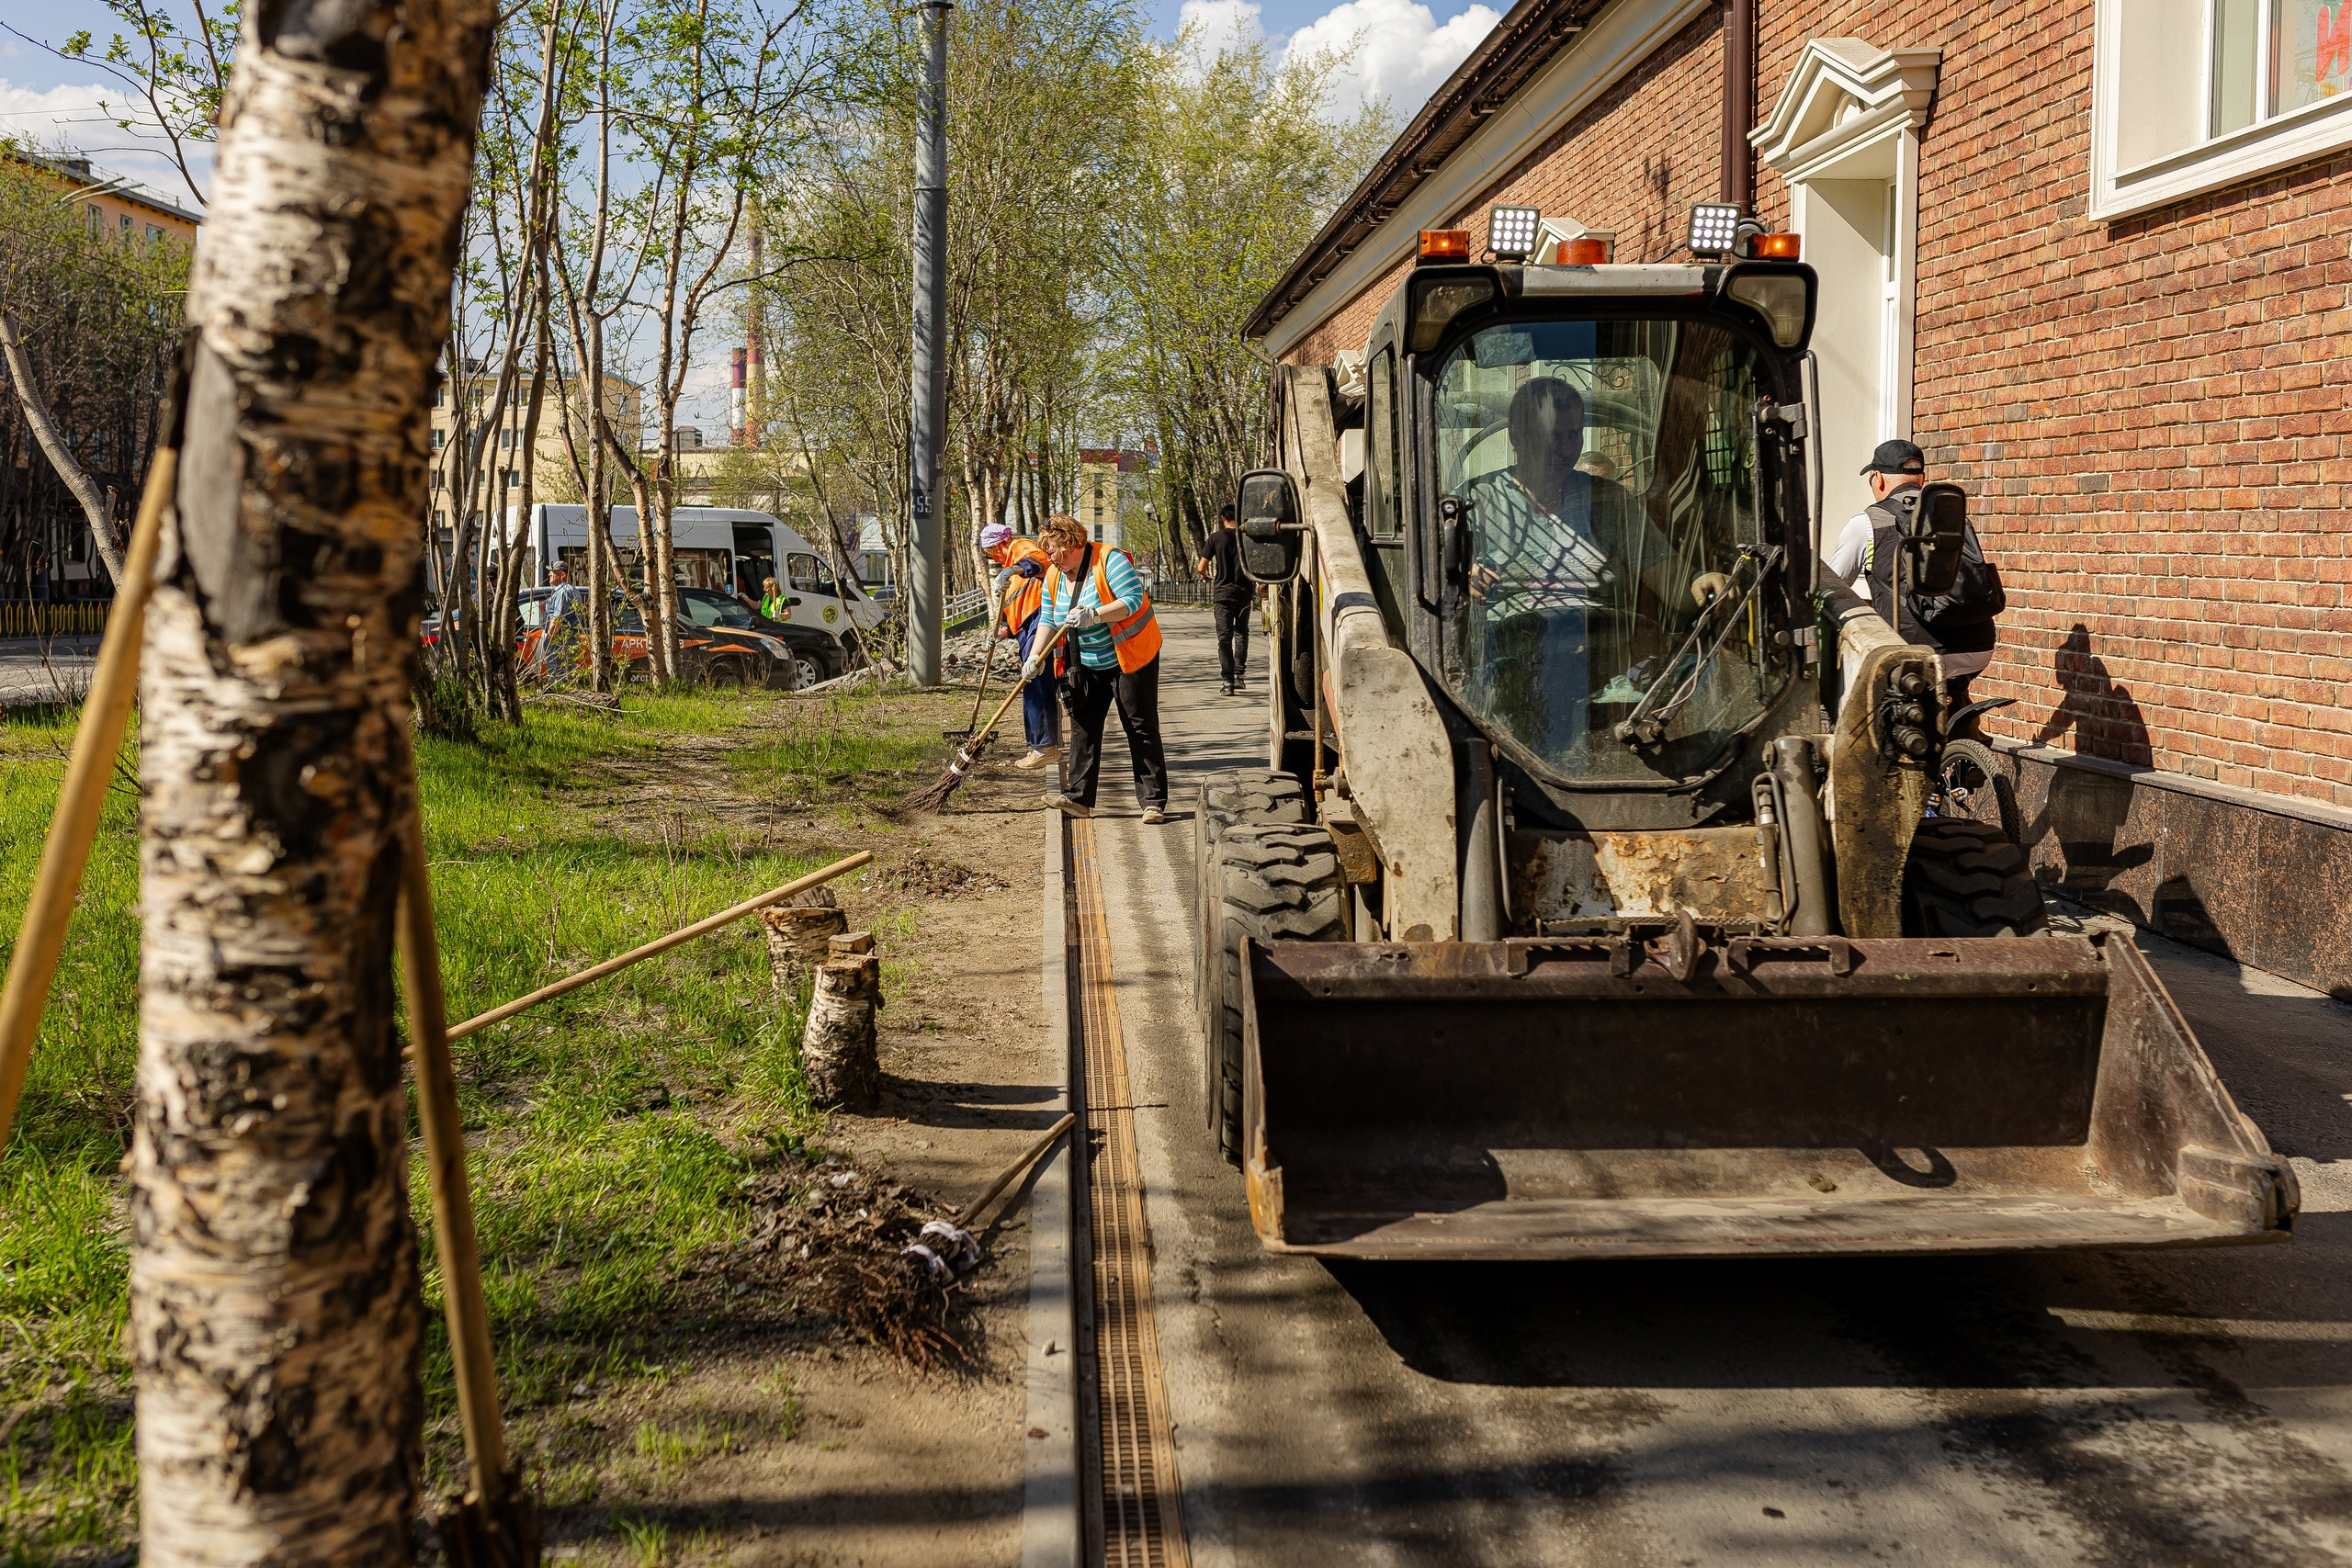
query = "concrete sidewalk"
{"x": 2185, "y": 1407}
{"x": 51, "y": 670}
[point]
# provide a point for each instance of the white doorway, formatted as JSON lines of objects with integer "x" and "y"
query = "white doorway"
{"x": 1845, "y": 137}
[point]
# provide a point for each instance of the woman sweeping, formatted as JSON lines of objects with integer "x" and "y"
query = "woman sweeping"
{"x": 1111, "y": 656}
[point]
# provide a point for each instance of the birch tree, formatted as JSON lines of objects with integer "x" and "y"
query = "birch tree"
{"x": 275, "y": 1324}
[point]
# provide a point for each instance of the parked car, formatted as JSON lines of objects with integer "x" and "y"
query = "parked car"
{"x": 712, "y": 655}
{"x": 819, "y": 655}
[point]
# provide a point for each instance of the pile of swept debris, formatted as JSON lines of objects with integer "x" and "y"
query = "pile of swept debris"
{"x": 877, "y": 1259}
{"x": 933, "y": 876}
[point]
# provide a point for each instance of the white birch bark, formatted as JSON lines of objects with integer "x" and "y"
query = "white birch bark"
{"x": 274, "y": 1321}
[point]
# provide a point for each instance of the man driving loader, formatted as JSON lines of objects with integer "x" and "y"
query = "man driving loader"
{"x": 1555, "y": 544}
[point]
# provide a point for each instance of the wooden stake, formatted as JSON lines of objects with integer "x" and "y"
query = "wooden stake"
{"x": 445, "y": 1167}
{"x": 661, "y": 944}
{"x": 106, "y": 710}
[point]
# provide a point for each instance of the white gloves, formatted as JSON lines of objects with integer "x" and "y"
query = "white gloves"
{"x": 1085, "y": 615}
{"x": 1707, "y": 585}
{"x": 1032, "y": 669}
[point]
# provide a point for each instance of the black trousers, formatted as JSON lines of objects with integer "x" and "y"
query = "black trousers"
{"x": 1232, "y": 640}
{"x": 1089, "y": 695}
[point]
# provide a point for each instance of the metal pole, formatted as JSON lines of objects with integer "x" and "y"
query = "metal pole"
{"x": 926, "y": 429}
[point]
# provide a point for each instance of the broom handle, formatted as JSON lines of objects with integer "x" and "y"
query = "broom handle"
{"x": 988, "y": 668}
{"x": 104, "y": 712}
{"x": 1014, "y": 695}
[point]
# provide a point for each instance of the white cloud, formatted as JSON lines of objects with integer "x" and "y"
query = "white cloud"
{"x": 1217, "y": 25}
{"x": 83, "y": 116}
{"x": 1401, "y": 53}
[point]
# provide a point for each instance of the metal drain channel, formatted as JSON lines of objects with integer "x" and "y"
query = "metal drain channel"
{"x": 1134, "y": 1521}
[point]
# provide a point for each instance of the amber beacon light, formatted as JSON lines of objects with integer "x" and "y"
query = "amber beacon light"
{"x": 1439, "y": 245}
{"x": 1777, "y": 247}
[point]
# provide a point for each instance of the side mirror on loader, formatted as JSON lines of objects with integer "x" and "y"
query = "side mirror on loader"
{"x": 1933, "y": 538}
{"x": 1273, "y": 538}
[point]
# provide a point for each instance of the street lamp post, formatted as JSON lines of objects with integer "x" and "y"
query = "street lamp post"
{"x": 926, "y": 428}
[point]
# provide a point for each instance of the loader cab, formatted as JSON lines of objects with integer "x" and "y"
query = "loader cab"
{"x": 1583, "y": 510}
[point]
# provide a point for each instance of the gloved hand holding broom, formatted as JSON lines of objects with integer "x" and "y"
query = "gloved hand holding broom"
{"x": 932, "y": 796}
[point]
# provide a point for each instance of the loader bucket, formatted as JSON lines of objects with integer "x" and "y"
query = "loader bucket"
{"x": 1608, "y": 1098}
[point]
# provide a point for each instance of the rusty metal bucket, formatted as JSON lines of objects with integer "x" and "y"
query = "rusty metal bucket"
{"x": 1606, "y": 1097}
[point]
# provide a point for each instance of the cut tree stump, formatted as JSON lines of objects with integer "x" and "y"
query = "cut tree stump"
{"x": 838, "y": 1049}
{"x": 797, "y": 933}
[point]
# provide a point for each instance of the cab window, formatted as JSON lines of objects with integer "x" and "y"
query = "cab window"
{"x": 1386, "y": 516}
{"x": 808, "y": 574}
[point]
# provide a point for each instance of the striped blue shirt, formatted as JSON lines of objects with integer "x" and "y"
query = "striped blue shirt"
{"x": 1095, "y": 649}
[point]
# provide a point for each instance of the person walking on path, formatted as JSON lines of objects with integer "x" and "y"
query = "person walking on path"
{"x": 1021, "y": 586}
{"x": 1112, "y": 655}
{"x": 1230, "y": 594}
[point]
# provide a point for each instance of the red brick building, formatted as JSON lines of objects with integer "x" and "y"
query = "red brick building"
{"x": 2092, "y": 257}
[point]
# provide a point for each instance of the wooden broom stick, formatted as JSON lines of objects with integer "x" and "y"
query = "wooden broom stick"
{"x": 106, "y": 710}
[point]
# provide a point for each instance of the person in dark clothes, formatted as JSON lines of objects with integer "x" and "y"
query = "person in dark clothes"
{"x": 1230, "y": 596}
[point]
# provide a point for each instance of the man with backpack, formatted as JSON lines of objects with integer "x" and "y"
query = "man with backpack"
{"x": 1959, "y": 625}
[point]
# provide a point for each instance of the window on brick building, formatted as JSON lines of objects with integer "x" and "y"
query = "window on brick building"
{"x": 2191, "y": 95}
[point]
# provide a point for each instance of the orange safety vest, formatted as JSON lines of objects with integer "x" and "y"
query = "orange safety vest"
{"x": 1136, "y": 639}
{"x": 1024, "y": 595}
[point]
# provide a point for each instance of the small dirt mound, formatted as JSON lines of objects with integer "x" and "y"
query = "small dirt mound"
{"x": 832, "y": 1236}
{"x": 928, "y": 876}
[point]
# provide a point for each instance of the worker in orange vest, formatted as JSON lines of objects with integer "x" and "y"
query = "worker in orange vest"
{"x": 1112, "y": 655}
{"x": 1020, "y": 586}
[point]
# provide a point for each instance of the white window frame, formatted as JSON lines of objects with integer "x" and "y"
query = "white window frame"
{"x": 2277, "y": 142}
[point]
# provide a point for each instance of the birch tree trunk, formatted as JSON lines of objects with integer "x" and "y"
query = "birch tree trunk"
{"x": 274, "y": 1320}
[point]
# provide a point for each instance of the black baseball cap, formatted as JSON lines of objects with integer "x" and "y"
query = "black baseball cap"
{"x": 1896, "y": 457}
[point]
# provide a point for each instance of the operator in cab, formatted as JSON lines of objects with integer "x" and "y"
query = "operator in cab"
{"x": 1554, "y": 544}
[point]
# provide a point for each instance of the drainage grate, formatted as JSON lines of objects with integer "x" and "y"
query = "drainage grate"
{"x": 1136, "y": 1523}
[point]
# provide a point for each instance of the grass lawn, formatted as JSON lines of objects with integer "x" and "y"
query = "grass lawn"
{"x": 611, "y": 1128}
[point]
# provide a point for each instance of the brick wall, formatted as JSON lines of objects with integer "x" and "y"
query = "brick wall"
{"x": 2149, "y": 414}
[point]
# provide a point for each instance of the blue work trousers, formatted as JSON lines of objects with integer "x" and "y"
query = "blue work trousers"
{"x": 1038, "y": 706}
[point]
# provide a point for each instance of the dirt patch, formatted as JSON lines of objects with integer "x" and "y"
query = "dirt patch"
{"x": 785, "y": 1423}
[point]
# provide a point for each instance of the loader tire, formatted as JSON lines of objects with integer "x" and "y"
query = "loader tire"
{"x": 1277, "y": 883}
{"x": 1242, "y": 795}
{"x": 1965, "y": 879}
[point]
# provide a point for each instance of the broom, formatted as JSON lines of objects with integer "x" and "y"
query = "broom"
{"x": 967, "y": 756}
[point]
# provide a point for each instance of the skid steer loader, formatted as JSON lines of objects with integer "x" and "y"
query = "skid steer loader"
{"x": 1597, "y": 898}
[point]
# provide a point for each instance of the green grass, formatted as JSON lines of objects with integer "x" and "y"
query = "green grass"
{"x": 611, "y": 1128}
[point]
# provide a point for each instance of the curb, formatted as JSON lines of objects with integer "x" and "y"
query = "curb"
{"x": 1049, "y": 1516}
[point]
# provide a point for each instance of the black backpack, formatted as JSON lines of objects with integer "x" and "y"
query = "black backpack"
{"x": 1957, "y": 622}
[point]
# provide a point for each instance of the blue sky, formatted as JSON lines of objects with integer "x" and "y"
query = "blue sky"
{"x": 1404, "y": 49}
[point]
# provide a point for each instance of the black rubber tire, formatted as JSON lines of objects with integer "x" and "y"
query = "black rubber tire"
{"x": 1965, "y": 879}
{"x": 1975, "y": 787}
{"x": 1276, "y": 883}
{"x": 1241, "y": 795}
{"x": 729, "y": 674}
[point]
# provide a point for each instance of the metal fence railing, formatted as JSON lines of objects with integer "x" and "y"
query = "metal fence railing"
{"x": 1179, "y": 591}
{"x": 52, "y": 618}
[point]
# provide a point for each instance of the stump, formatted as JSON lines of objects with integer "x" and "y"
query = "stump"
{"x": 797, "y": 933}
{"x": 838, "y": 1048}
